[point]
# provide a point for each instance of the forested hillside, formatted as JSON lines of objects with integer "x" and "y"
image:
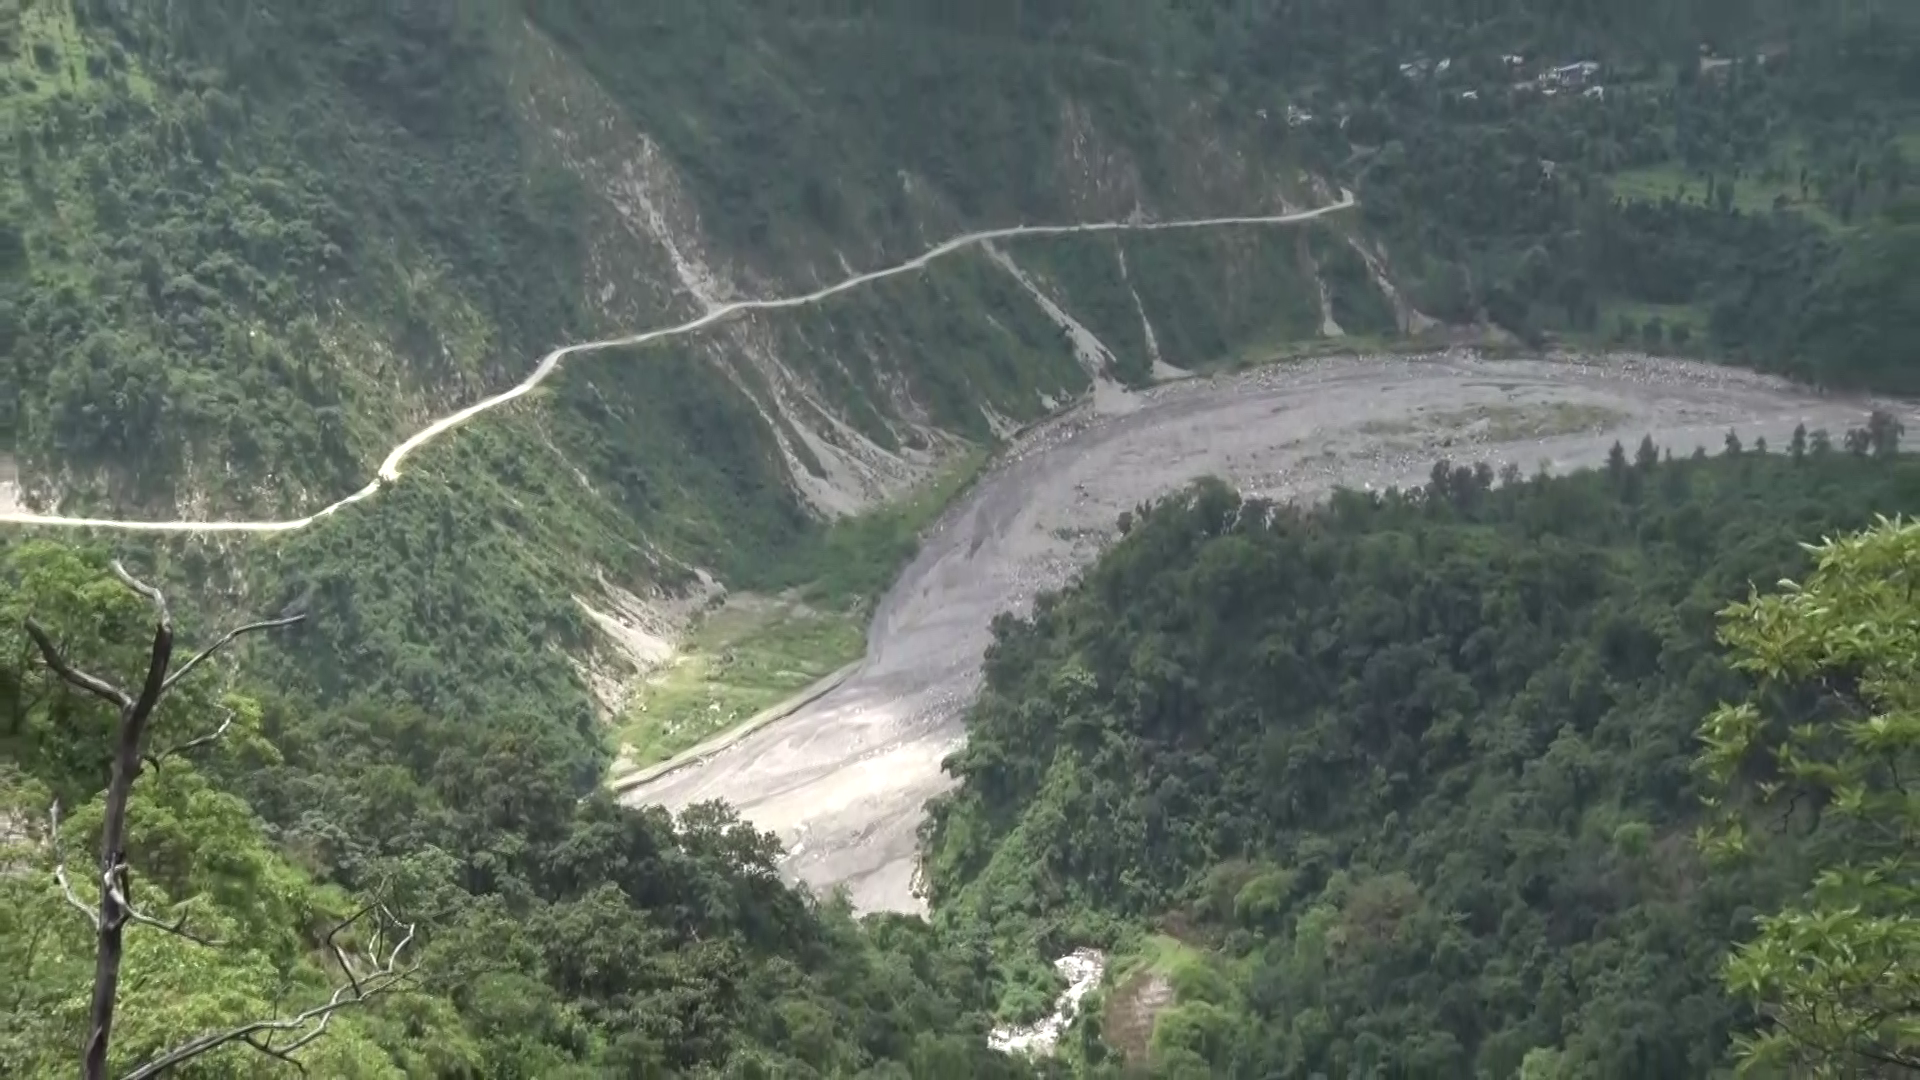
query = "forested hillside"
{"x": 273, "y": 235}
{"x": 1734, "y": 177}
{"x": 245, "y": 248}
{"x": 551, "y": 936}
{"x": 1405, "y": 783}
{"x": 253, "y": 246}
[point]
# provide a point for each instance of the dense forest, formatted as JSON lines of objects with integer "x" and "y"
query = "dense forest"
{"x": 1407, "y": 785}
{"x": 1402, "y": 783}
{"x": 553, "y": 936}
{"x": 1403, "y": 786}
{"x": 1733, "y": 178}
{"x": 271, "y": 234}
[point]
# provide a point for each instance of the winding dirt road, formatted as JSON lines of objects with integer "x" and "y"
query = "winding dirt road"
{"x": 390, "y": 468}
{"x": 843, "y": 779}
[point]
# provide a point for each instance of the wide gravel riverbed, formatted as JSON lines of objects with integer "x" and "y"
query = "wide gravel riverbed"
{"x": 842, "y": 780}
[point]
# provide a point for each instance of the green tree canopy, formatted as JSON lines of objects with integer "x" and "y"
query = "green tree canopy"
{"x": 1836, "y": 973}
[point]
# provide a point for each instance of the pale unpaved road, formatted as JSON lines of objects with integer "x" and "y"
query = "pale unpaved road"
{"x": 843, "y": 780}
{"x": 390, "y": 468}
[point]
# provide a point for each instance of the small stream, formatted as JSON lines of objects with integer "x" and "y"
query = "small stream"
{"x": 1083, "y": 969}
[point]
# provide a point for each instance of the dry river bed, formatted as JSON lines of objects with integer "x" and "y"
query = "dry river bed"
{"x": 842, "y": 780}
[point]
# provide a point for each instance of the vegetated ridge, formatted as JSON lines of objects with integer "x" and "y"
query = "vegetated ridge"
{"x": 246, "y": 247}
{"x": 239, "y": 311}
{"x": 1405, "y": 782}
{"x": 843, "y": 778}
{"x": 390, "y": 466}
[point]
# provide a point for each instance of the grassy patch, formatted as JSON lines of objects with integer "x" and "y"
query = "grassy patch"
{"x": 1274, "y": 351}
{"x": 44, "y": 51}
{"x": 1503, "y": 423}
{"x": 1161, "y": 974}
{"x": 756, "y": 650}
{"x": 1162, "y": 954}
{"x": 1277, "y": 350}
{"x": 1752, "y": 192}
{"x": 848, "y": 565}
{"x": 747, "y": 656}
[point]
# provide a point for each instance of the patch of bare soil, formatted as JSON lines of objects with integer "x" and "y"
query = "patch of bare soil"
{"x": 1132, "y": 1009}
{"x": 9, "y": 487}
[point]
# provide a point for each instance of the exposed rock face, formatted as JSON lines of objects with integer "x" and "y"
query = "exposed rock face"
{"x": 1083, "y": 969}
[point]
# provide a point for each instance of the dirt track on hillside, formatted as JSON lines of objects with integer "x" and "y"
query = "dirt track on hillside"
{"x": 396, "y": 459}
{"x": 842, "y": 780}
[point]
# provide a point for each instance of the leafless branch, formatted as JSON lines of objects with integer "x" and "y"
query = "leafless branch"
{"x": 154, "y": 596}
{"x": 155, "y": 758}
{"x": 60, "y": 871}
{"x": 116, "y": 908}
{"x": 110, "y": 882}
{"x": 308, "y": 1025}
{"x": 394, "y": 956}
{"x": 66, "y": 890}
{"x": 270, "y": 624}
{"x": 339, "y": 954}
{"x": 112, "y": 879}
{"x": 92, "y": 684}
{"x": 266, "y": 1047}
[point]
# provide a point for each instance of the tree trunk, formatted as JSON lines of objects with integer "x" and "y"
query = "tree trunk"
{"x": 106, "y": 966}
{"x": 114, "y": 887}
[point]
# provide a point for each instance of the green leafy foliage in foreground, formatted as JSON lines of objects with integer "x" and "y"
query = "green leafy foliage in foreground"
{"x": 558, "y": 937}
{"x": 1838, "y": 972}
{"x": 1410, "y": 773}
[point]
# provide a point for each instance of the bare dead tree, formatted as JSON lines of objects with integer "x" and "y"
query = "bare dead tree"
{"x": 136, "y": 711}
{"x": 366, "y": 980}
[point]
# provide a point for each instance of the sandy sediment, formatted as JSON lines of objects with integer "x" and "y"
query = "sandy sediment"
{"x": 843, "y": 780}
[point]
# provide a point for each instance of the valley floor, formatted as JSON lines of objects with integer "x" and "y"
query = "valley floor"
{"x": 842, "y": 780}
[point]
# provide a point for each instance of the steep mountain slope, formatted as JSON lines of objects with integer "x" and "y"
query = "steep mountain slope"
{"x": 247, "y": 247}
{"x": 411, "y": 202}
{"x": 1401, "y": 783}
{"x": 250, "y": 246}
{"x": 260, "y": 243}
